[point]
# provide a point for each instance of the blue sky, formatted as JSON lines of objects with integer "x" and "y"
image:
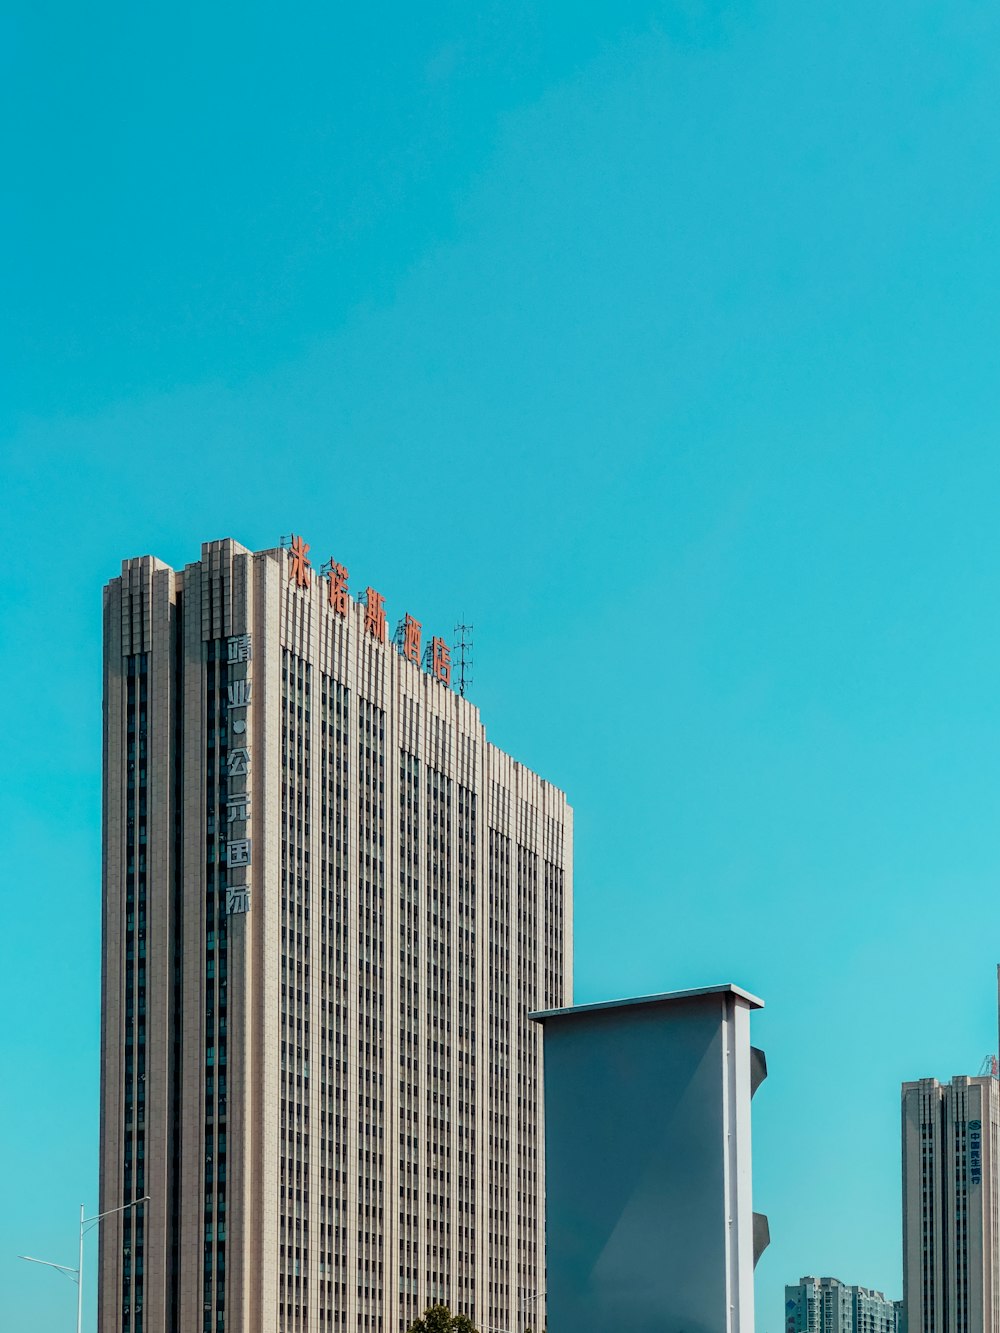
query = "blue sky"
{"x": 660, "y": 341}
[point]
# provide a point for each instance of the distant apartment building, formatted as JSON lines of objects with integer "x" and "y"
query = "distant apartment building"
{"x": 827, "y": 1305}
{"x": 951, "y": 1282}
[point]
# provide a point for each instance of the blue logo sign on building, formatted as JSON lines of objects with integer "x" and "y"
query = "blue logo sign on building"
{"x": 975, "y": 1132}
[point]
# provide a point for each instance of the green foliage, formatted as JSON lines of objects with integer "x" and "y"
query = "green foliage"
{"x": 439, "y": 1319}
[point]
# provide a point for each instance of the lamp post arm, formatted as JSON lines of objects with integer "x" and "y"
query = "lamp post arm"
{"x": 72, "y": 1273}
{"x": 87, "y": 1221}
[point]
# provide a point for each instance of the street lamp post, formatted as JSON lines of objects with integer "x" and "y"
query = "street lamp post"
{"x": 523, "y": 1301}
{"x": 76, "y": 1274}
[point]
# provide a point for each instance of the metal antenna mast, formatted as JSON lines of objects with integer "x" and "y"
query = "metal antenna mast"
{"x": 991, "y": 1063}
{"x": 463, "y": 661}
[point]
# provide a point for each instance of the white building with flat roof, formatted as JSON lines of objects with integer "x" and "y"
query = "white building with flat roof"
{"x": 649, "y": 1221}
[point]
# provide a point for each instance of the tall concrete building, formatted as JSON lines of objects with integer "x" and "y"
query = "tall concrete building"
{"x": 827, "y": 1305}
{"x": 951, "y": 1236}
{"x": 329, "y": 904}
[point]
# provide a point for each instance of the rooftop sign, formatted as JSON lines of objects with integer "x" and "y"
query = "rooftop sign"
{"x": 436, "y": 658}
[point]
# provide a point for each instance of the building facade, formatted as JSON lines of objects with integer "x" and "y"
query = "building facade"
{"x": 827, "y": 1305}
{"x": 328, "y": 906}
{"x": 649, "y": 1208}
{"x": 951, "y": 1282}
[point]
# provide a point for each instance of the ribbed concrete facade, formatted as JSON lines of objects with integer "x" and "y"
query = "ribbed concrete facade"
{"x": 951, "y": 1236}
{"x": 329, "y": 904}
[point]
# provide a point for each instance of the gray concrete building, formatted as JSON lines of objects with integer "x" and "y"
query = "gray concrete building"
{"x": 328, "y": 905}
{"x": 649, "y": 1220}
{"x": 951, "y": 1237}
{"x": 827, "y": 1305}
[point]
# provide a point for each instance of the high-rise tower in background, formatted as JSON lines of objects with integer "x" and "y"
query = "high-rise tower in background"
{"x": 827, "y": 1305}
{"x": 329, "y": 904}
{"x": 951, "y": 1282}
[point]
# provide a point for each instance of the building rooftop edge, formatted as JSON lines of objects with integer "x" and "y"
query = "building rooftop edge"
{"x": 849, "y": 1286}
{"x": 947, "y": 1083}
{"x": 277, "y": 552}
{"x": 665, "y": 997}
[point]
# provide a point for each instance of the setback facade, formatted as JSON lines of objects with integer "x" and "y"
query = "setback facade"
{"x": 329, "y": 904}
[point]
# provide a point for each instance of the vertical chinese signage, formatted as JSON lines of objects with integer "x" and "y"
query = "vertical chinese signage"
{"x": 975, "y": 1128}
{"x": 239, "y": 847}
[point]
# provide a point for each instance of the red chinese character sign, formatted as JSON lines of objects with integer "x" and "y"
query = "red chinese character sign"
{"x": 375, "y": 614}
{"x": 300, "y": 562}
{"x": 336, "y": 588}
{"x": 440, "y": 661}
{"x": 411, "y": 640}
{"x": 408, "y": 638}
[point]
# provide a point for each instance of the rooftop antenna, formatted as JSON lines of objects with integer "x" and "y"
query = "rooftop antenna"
{"x": 990, "y": 1068}
{"x": 463, "y": 661}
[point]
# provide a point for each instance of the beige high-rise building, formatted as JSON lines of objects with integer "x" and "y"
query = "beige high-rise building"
{"x": 951, "y": 1194}
{"x": 329, "y": 904}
